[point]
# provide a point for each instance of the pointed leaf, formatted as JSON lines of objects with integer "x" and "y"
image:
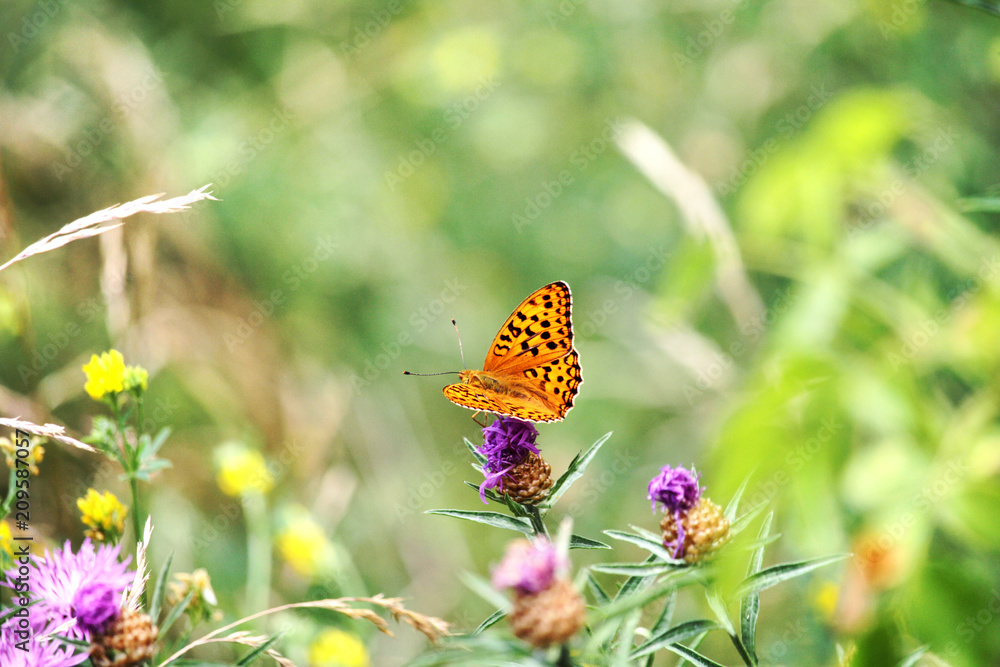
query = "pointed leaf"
{"x": 741, "y": 523}
{"x": 490, "y": 620}
{"x": 599, "y": 593}
{"x": 573, "y": 472}
{"x": 750, "y": 604}
{"x": 253, "y": 655}
{"x": 692, "y": 656}
{"x": 157, "y": 442}
{"x": 778, "y": 573}
{"x": 478, "y": 455}
{"x": 734, "y": 502}
{"x": 675, "y": 634}
{"x": 494, "y": 519}
{"x": 654, "y": 547}
{"x": 666, "y": 615}
{"x": 484, "y": 588}
{"x": 633, "y": 569}
{"x": 176, "y": 611}
{"x": 580, "y": 542}
{"x": 913, "y": 658}
{"x": 161, "y": 581}
{"x": 626, "y": 639}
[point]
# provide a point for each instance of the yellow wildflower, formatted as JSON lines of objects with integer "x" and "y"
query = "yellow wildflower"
{"x": 136, "y": 379}
{"x": 6, "y": 539}
{"x": 825, "y": 599}
{"x": 303, "y": 544}
{"x": 242, "y": 470}
{"x": 203, "y": 605}
{"x": 104, "y": 515}
{"x": 105, "y": 374}
{"x": 35, "y": 454}
{"x": 336, "y": 648}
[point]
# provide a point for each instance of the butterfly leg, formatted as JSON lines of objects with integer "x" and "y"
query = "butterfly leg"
{"x": 476, "y": 414}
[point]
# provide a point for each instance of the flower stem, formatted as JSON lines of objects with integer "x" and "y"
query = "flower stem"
{"x": 258, "y": 552}
{"x": 136, "y": 525}
{"x": 536, "y": 520}
{"x": 564, "y": 660}
{"x": 11, "y": 486}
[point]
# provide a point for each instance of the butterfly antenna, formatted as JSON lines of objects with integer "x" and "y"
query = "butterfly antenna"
{"x": 460, "y": 350}
{"x": 430, "y": 374}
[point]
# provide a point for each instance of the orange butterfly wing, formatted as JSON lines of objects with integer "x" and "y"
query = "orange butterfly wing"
{"x": 532, "y": 372}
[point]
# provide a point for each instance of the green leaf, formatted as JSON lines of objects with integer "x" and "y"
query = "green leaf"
{"x": 692, "y": 656}
{"x": 675, "y": 634}
{"x": 718, "y": 607}
{"x": 734, "y": 502}
{"x": 580, "y": 542}
{"x": 494, "y": 519}
{"x": 980, "y": 204}
{"x": 253, "y": 655}
{"x": 80, "y": 643}
{"x": 176, "y": 612}
{"x": 633, "y": 569}
{"x": 626, "y": 638}
{"x": 778, "y": 573}
{"x": 750, "y": 604}
{"x": 628, "y": 599}
{"x": 161, "y": 581}
{"x": 478, "y": 455}
{"x": 595, "y": 587}
{"x": 573, "y": 472}
{"x": 484, "y": 589}
{"x": 654, "y": 547}
{"x": 740, "y": 524}
{"x": 666, "y": 615}
{"x": 913, "y": 658}
{"x": 490, "y": 620}
{"x": 694, "y": 647}
{"x": 154, "y": 445}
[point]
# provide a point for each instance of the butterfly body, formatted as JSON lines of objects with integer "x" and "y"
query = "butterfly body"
{"x": 532, "y": 371}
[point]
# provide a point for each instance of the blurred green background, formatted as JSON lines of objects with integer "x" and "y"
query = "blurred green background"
{"x": 777, "y": 219}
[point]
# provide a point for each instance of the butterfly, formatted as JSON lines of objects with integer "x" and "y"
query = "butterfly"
{"x": 531, "y": 372}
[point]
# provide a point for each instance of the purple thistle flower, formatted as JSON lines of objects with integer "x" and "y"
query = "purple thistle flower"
{"x": 529, "y": 566}
{"x": 84, "y": 587}
{"x": 42, "y": 650}
{"x": 678, "y": 490}
{"x": 95, "y": 603}
{"x": 506, "y": 443}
